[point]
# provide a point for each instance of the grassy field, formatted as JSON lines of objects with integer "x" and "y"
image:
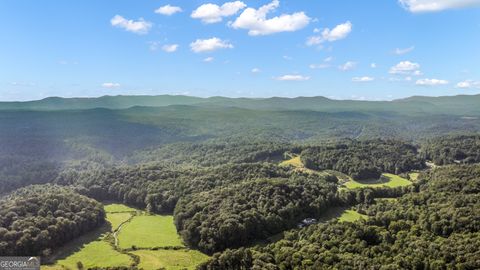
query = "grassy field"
{"x": 92, "y": 250}
{"x": 143, "y": 231}
{"x": 118, "y": 208}
{"x": 351, "y": 216}
{"x": 387, "y": 180}
{"x": 116, "y": 219}
{"x": 149, "y": 231}
{"x": 170, "y": 259}
{"x": 97, "y": 253}
{"x": 294, "y": 162}
{"x": 414, "y": 176}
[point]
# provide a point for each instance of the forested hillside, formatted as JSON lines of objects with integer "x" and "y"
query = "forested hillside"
{"x": 38, "y": 219}
{"x": 238, "y": 176}
{"x": 453, "y": 149}
{"x": 434, "y": 227}
{"x": 364, "y": 160}
{"x": 237, "y": 215}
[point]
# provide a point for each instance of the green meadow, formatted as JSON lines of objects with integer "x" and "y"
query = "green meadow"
{"x": 97, "y": 253}
{"x": 351, "y": 216}
{"x": 118, "y": 208}
{"x": 116, "y": 219}
{"x": 170, "y": 259}
{"x": 149, "y": 231}
{"x": 144, "y": 231}
{"x": 387, "y": 180}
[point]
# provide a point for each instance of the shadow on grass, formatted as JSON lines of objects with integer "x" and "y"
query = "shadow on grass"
{"x": 78, "y": 243}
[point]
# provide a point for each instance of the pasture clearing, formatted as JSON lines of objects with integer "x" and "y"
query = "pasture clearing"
{"x": 386, "y": 180}
{"x": 149, "y": 231}
{"x": 170, "y": 259}
{"x": 351, "y": 216}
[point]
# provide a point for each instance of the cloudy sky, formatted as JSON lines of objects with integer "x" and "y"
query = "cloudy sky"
{"x": 342, "y": 49}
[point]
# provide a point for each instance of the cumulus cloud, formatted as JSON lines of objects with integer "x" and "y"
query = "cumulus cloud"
{"x": 170, "y": 48}
{"x": 399, "y": 51}
{"x": 110, "y": 85}
{"x": 325, "y": 64}
{"x": 373, "y": 65}
{"x": 419, "y": 6}
{"x": 257, "y": 23}
{"x": 291, "y": 77}
{"x": 256, "y": 70}
{"x": 362, "y": 79}
{"x": 208, "y": 59}
{"x": 468, "y": 84}
{"x": 209, "y": 45}
{"x": 431, "y": 82}
{"x": 406, "y": 68}
{"x": 347, "y": 66}
{"x": 140, "y": 26}
{"x": 211, "y": 13}
{"x": 168, "y": 10}
{"x": 340, "y": 31}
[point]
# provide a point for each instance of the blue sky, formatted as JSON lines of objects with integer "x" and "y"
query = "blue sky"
{"x": 343, "y": 49}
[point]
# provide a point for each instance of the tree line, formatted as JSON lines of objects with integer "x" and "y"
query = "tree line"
{"x": 363, "y": 160}
{"x": 434, "y": 226}
{"x": 37, "y": 219}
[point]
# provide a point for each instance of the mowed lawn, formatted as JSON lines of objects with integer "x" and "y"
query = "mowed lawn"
{"x": 351, "y": 216}
{"x": 96, "y": 254}
{"x": 116, "y": 219}
{"x": 149, "y": 231}
{"x": 170, "y": 259}
{"x": 117, "y": 208}
{"x": 387, "y": 180}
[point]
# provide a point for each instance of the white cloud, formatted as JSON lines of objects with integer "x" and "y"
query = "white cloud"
{"x": 468, "y": 84}
{"x": 419, "y": 6}
{"x": 257, "y": 24}
{"x": 208, "y": 59}
{"x": 340, "y": 31}
{"x": 110, "y": 85}
{"x": 170, "y": 48}
{"x": 325, "y": 64}
{"x": 362, "y": 79}
{"x": 168, "y": 10}
{"x": 138, "y": 27}
{"x": 399, "y": 51}
{"x": 209, "y": 45}
{"x": 288, "y": 58}
{"x": 211, "y": 13}
{"x": 373, "y": 65}
{"x": 256, "y": 70}
{"x": 431, "y": 82}
{"x": 406, "y": 68}
{"x": 291, "y": 77}
{"x": 347, "y": 66}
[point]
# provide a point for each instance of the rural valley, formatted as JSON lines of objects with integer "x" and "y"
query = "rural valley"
{"x": 195, "y": 192}
{"x": 239, "y": 135}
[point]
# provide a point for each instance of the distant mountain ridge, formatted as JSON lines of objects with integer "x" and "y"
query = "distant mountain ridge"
{"x": 457, "y": 105}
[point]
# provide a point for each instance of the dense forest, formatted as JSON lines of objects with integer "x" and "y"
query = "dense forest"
{"x": 237, "y": 215}
{"x": 215, "y": 164}
{"x": 364, "y": 160}
{"x": 434, "y": 227}
{"x": 38, "y": 219}
{"x": 453, "y": 149}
